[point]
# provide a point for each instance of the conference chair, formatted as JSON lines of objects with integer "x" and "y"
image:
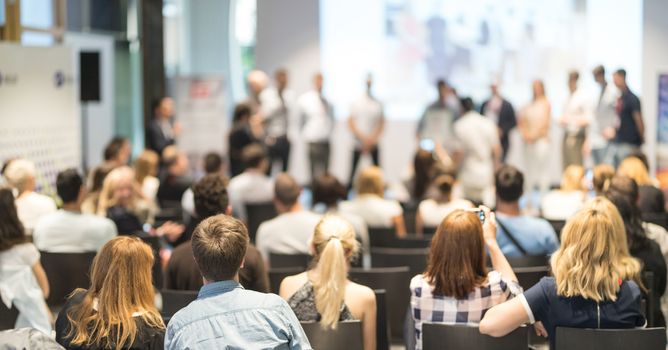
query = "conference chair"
{"x": 429, "y": 230}
{"x": 277, "y": 274}
{"x": 382, "y": 322}
{"x": 66, "y": 272}
{"x": 256, "y": 214}
{"x": 610, "y": 339}
{"x": 530, "y": 276}
{"x": 156, "y": 271}
{"x": 347, "y": 335}
{"x": 529, "y": 261}
{"x": 8, "y": 317}
{"x": 175, "y": 300}
{"x": 462, "y": 337}
{"x": 651, "y": 297}
{"x": 289, "y": 260}
{"x": 395, "y": 281}
{"x": 381, "y": 236}
{"x": 557, "y": 225}
{"x": 410, "y": 213}
{"x": 415, "y": 259}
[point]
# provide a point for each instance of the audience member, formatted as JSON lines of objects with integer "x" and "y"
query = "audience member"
{"x": 602, "y": 174}
{"x": 241, "y": 136}
{"x": 118, "y": 151}
{"x": 117, "y": 311}
{"x": 290, "y": 231}
{"x": 162, "y": 130}
{"x": 253, "y": 185}
{"x": 146, "y": 172}
{"x": 278, "y": 104}
{"x": 595, "y": 283}
{"x": 324, "y": 293}
{"x": 575, "y": 119}
{"x": 23, "y": 281}
{"x": 502, "y": 113}
{"x": 561, "y": 204}
{"x": 317, "y": 120}
{"x": 225, "y": 315}
{"x": 425, "y": 168}
{"x": 173, "y": 181}
{"x": 120, "y": 201}
{"x": 96, "y": 182}
{"x": 211, "y": 198}
{"x": 602, "y": 128}
{"x": 68, "y": 230}
{"x": 5, "y": 164}
{"x": 213, "y": 164}
{"x": 30, "y": 205}
{"x": 518, "y": 234}
{"x": 630, "y": 128}
{"x": 370, "y": 204}
{"x": 456, "y": 287}
{"x": 432, "y": 211}
{"x": 651, "y": 199}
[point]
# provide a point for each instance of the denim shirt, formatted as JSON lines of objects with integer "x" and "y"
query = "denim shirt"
{"x": 226, "y": 316}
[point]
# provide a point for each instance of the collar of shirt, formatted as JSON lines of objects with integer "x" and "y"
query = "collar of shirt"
{"x": 217, "y": 288}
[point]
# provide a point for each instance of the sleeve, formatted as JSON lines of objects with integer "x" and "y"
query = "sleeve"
{"x": 170, "y": 339}
{"x": 395, "y": 208}
{"x": 298, "y": 339}
{"x": 157, "y": 341}
{"x": 636, "y": 105}
{"x": 29, "y": 253}
{"x": 535, "y": 301}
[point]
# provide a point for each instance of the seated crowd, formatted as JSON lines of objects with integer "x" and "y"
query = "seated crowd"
{"x": 598, "y": 262}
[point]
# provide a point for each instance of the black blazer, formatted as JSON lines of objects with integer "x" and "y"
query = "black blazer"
{"x": 157, "y": 140}
{"x": 507, "y": 120}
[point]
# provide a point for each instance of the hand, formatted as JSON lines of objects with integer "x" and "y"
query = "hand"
{"x": 177, "y": 128}
{"x": 540, "y": 329}
{"x": 489, "y": 227}
{"x": 171, "y": 230}
{"x": 609, "y": 133}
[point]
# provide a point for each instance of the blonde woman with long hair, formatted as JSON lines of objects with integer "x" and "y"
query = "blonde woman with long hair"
{"x": 117, "y": 311}
{"x": 146, "y": 170}
{"x": 594, "y": 284}
{"x": 324, "y": 293}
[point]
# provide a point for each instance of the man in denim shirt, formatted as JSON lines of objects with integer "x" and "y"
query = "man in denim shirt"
{"x": 225, "y": 315}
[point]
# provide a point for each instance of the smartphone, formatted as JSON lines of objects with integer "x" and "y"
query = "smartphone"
{"x": 479, "y": 212}
{"x": 427, "y": 145}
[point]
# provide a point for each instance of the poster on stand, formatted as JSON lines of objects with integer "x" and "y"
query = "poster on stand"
{"x": 662, "y": 132}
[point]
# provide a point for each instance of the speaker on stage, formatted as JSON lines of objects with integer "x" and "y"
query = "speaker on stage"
{"x": 89, "y": 76}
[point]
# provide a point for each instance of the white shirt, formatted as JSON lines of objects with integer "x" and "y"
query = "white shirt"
{"x": 436, "y": 125}
{"x": 68, "y": 232}
{"x": 476, "y": 137}
{"x": 561, "y": 205}
{"x": 432, "y": 212}
{"x": 288, "y": 233}
{"x": 149, "y": 187}
{"x": 367, "y": 113}
{"x": 317, "y": 117}
{"x": 376, "y": 211}
{"x": 251, "y": 186}
{"x": 577, "y": 108}
{"x": 31, "y": 207}
{"x": 605, "y": 116}
{"x": 276, "y": 111}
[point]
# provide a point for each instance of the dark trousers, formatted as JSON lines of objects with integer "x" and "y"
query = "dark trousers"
{"x": 357, "y": 154}
{"x": 505, "y": 144}
{"x": 279, "y": 151}
{"x": 318, "y": 154}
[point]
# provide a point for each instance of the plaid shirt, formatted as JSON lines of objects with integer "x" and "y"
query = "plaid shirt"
{"x": 430, "y": 308}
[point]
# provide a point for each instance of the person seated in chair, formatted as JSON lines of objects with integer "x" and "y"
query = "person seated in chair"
{"x": 252, "y": 185}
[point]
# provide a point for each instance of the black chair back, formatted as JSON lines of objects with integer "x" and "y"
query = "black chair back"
{"x": 395, "y": 282}
{"x": 156, "y": 271}
{"x": 289, "y": 260}
{"x": 66, "y": 272}
{"x": 277, "y": 274}
{"x": 557, "y": 225}
{"x": 7, "y": 317}
{"x": 458, "y": 337}
{"x": 382, "y": 322}
{"x": 347, "y": 335}
{"x": 610, "y": 339}
{"x": 256, "y": 214}
{"x": 381, "y": 236}
{"x": 410, "y": 212}
{"x": 175, "y": 300}
{"x": 529, "y": 276}
{"x": 429, "y": 230}
{"x": 651, "y": 297}
{"x": 528, "y": 261}
{"x": 415, "y": 259}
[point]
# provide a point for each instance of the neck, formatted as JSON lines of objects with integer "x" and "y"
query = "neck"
{"x": 445, "y": 198}
{"x": 508, "y": 208}
{"x": 72, "y": 206}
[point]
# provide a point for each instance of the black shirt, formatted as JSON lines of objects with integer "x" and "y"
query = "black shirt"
{"x": 651, "y": 199}
{"x": 147, "y": 337}
{"x": 652, "y": 260}
{"x": 627, "y": 105}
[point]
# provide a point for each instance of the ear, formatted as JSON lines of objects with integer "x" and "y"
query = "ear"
{"x": 243, "y": 262}
{"x": 228, "y": 210}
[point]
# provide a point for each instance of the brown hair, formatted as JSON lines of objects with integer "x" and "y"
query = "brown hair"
{"x": 146, "y": 164}
{"x": 572, "y": 178}
{"x": 122, "y": 284}
{"x": 11, "y": 229}
{"x": 603, "y": 173}
{"x": 286, "y": 189}
{"x": 456, "y": 261}
{"x": 219, "y": 246}
{"x": 370, "y": 181}
{"x": 634, "y": 168}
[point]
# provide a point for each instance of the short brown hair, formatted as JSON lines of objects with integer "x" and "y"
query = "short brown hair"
{"x": 219, "y": 246}
{"x": 456, "y": 262}
{"x": 253, "y": 155}
{"x": 286, "y": 189}
{"x": 370, "y": 181}
{"x": 210, "y": 196}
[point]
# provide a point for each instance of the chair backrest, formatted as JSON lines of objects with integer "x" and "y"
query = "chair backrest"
{"x": 651, "y": 297}
{"x": 7, "y": 317}
{"x": 610, "y": 339}
{"x": 347, "y": 335}
{"x": 66, "y": 272}
{"x": 156, "y": 271}
{"x": 410, "y": 212}
{"x": 381, "y": 236}
{"x": 459, "y": 337}
{"x": 528, "y": 261}
{"x": 277, "y": 274}
{"x": 557, "y": 225}
{"x": 175, "y": 300}
{"x": 529, "y": 276}
{"x": 414, "y": 258}
{"x": 382, "y": 322}
{"x": 289, "y": 260}
{"x": 395, "y": 281}
{"x": 256, "y": 214}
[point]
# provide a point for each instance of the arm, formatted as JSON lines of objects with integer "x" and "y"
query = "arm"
{"x": 353, "y": 128}
{"x": 369, "y": 322}
{"x": 42, "y": 280}
{"x": 379, "y": 130}
{"x": 640, "y": 125}
{"x": 504, "y": 318}
{"x": 399, "y": 225}
{"x": 499, "y": 261}
{"x": 419, "y": 224}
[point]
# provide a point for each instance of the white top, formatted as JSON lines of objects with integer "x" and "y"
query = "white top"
{"x": 276, "y": 111}
{"x": 288, "y": 233}
{"x": 69, "y": 232}
{"x": 31, "y": 207}
{"x": 25, "y": 254}
{"x": 578, "y": 107}
{"x": 476, "y": 136}
{"x": 436, "y": 125}
{"x": 605, "y": 115}
{"x": 561, "y": 205}
{"x": 317, "y": 117}
{"x": 251, "y": 186}
{"x": 188, "y": 202}
{"x": 149, "y": 188}
{"x": 367, "y": 113}
{"x": 376, "y": 211}
{"x": 432, "y": 212}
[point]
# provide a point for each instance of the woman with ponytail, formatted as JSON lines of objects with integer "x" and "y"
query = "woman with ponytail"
{"x": 324, "y": 293}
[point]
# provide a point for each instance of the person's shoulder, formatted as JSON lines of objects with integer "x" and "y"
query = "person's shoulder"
{"x": 362, "y": 292}
{"x": 42, "y": 200}
{"x": 629, "y": 289}
{"x": 27, "y": 248}
{"x": 418, "y": 281}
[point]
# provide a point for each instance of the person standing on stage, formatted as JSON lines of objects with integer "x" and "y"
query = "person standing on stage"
{"x": 534, "y": 125}
{"x": 574, "y": 119}
{"x": 317, "y": 116}
{"x": 602, "y": 128}
{"x": 162, "y": 131}
{"x": 502, "y": 113}
{"x": 277, "y": 105}
{"x": 435, "y": 125}
{"x": 366, "y": 122}
{"x": 630, "y": 131}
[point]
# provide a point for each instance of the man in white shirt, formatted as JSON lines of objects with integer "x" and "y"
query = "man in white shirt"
{"x": 253, "y": 185}
{"x": 575, "y": 119}
{"x": 602, "y": 128}
{"x": 317, "y": 116}
{"x": 289, "y": 232}
{"x": 366, "y": 122}
{"x": 277, "y": 107}
{"x": 30, "y": 206}
{"x": 478, "y": 153}
{"x": 68, "y": 230}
